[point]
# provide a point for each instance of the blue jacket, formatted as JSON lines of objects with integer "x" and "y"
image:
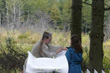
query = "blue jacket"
{"x": 74, "y": 60}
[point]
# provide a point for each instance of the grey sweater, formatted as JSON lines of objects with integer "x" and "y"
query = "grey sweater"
{"x": 47, "y": 51}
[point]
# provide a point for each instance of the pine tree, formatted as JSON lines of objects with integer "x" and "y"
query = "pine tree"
{"x": 55, "y": 14}
{"x": 66, "y": 16}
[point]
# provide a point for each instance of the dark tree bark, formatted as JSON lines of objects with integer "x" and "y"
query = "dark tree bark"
{"x": 96, "y": 36}
{"x": 3, "y": 12}
{"x": 76, "y": 17}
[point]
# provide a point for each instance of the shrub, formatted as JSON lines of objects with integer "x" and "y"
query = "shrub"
{"x": 11, "y": 57}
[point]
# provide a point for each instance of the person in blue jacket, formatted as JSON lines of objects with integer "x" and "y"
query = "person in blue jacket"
{"x": 74, "y": 55}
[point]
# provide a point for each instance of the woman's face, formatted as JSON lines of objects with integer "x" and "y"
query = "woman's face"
{"x": 47, "y": 41}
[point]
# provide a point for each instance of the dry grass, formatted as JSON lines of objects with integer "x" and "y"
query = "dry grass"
{"x": 28, "y": 39}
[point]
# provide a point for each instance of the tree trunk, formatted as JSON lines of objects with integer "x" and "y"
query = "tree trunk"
{"x": 14, "y": 17}
{"x": 19, "y": 21}
{"x": 7, "y": 17}
{"x": 27, "y": 23}
{"x": 3, "y": 13}
{"x": 76, "y": 17}
{"x": 96, "y": 36}
{"x": 0, "y": 19}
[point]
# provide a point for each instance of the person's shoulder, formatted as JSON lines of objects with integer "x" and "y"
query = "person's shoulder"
{"x": 70, "y": 49}
{"x": 37, "y": 43}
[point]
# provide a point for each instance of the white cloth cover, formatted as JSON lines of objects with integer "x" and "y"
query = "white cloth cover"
{"x": 47, "y": 65}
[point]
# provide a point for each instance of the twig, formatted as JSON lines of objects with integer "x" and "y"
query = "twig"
{"x": 106, "y": 9}
{"x": 85, "y": 2}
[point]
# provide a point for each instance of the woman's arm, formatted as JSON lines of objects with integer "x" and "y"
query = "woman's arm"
{"x": 64, "y": 49}
{"x": 47, "y": 53}
{"x": 68, "y": 56}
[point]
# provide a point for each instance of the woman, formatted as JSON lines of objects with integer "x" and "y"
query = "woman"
{"x": 43, "y": 49}
{"x": 74, "y": 55}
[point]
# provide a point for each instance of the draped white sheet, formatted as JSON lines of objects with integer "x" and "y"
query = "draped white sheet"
{"x": 47, "y": 65}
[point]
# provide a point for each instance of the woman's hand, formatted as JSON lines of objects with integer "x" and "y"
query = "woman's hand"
{"x": 59, "y": 50}
{"x": 64, "y": 49}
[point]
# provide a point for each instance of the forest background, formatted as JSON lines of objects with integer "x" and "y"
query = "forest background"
{"x": 22, "y": 23}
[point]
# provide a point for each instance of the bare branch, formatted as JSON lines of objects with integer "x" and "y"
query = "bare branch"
{"x": 87, "y": 3}
{"x": 106, "y": 9}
